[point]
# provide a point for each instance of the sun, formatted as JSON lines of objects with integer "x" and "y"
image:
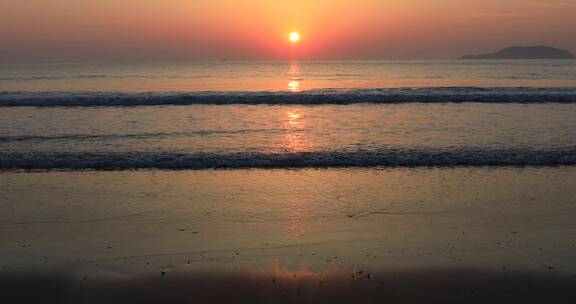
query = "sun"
{"x": 294, "y": 37}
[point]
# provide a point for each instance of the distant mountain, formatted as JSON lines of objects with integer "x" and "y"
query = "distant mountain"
{"x": 532, "y": 52}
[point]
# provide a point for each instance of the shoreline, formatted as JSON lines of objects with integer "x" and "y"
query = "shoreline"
{"x": 280, "y": 286}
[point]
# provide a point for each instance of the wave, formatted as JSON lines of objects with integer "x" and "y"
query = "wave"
{"x": 311, "y": 97}
{"x": 98, "y": 76}
{"x": 380, "y": 158}
{"x": 157, "y": 135}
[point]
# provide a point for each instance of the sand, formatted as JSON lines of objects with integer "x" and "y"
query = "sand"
{"x": 282, "y": 236}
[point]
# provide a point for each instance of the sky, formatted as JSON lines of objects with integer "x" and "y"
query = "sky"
{"x": 173, "y": 30}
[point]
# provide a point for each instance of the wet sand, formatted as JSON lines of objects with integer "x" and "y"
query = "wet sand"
{"x": 430, "y": 286}
{"x": 281, "y": 236}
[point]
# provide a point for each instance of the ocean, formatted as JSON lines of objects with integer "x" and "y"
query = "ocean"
{"x": 291, "y": 172}
{"x": 278, "y": 114}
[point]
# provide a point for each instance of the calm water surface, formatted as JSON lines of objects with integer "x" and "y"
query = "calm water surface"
{"x": 286, "y": 76}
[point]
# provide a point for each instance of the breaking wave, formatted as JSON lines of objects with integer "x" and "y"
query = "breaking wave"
{"x": 157, "y": 135}
{"x": 311, "y": 97}
{"x": 379, "y": 158}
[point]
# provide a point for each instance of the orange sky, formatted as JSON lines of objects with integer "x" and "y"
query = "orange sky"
{"x": 113, "y": 30}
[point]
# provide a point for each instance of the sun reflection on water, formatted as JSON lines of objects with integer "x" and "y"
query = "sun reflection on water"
{"x": 294, "y": 86}
{"x": 294, "y": 72}
{"x": 295, "y": 138}
{"x": 294, "y": 118}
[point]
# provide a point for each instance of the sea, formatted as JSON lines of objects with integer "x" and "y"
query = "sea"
{"x": 304, "y": 181}
{"x": 203, "y": 115}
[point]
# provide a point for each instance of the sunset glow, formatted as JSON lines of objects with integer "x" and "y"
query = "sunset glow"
{"x": 71, "y": 30}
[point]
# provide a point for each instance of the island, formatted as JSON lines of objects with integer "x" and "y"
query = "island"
{"x": 532, "y": 52}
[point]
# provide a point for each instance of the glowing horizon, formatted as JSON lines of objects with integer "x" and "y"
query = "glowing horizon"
{"x": 107, "y": 30}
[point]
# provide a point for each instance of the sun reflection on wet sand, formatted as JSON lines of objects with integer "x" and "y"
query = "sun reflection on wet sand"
{"x": 282, "y": 274}
{"x": 297, "y": 214}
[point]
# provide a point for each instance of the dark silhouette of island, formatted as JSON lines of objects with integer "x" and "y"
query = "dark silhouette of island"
{"x": 532, "y": 52}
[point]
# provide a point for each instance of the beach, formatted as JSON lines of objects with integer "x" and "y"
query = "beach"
{"x": 288, "y": 182}
{"x": 372, "y": 231}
